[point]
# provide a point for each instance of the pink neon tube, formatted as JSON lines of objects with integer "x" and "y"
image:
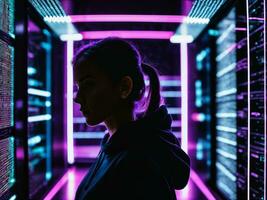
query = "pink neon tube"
{"x": 128, "y": 34}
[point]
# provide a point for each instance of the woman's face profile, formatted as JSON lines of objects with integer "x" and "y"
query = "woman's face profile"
{"x": 96, "y": 94}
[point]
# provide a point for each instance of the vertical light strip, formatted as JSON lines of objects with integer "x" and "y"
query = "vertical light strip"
{"x": 184, "y": 97}
{"x": 70, "y": 102}
{"x": 264, "y": 61}
{"x": 248, "y": 134}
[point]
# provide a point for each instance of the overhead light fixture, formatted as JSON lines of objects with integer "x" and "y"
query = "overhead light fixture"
{"x": 128, "y": 34}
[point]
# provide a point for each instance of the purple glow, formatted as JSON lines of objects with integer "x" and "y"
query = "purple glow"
{"x": 87, "y": 151}
{"x": 240, "y": 29}
{"x": 248, "y": 52}
{"x": 128, "y": 18}
{"x": 256, "y": 18}
{"x": 197, "y": 180}
{"x": 70, "y": 102}
{"x": 164, "y": 35}
{"x": 57, "y": 187}
{"x": 184, "y": 96}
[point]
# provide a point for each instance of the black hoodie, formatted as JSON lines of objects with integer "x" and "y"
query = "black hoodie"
{"x": 142, "y": 160}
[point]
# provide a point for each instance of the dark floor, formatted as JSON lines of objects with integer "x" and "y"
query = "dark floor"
{"x": 65, "y": 189}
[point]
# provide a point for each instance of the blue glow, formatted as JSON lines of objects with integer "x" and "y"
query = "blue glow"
{"x": 31, "y": 71}
{"x": 171, "y": 94}
{"x": 13, "y": 197}
{"x": 34, "y": 140}
{"x": 173, "y": 110}
{"x": 226, "y": 171}
{"x": 48, "y": 176}
{"x": 38, "y": 118}
{"x": 37, "y": 92}
{"x": 213, "y": 32}
{"x": 199, "y": 150}
{"x": 88, "y": 135}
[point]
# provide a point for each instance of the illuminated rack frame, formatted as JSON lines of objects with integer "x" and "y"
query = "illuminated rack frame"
{"x": 265, "y": 99}
{"x": 23, "y": 11}
{"x": 127, "y": 35}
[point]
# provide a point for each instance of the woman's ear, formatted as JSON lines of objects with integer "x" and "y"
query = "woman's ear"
{"x": 126, "y": 87}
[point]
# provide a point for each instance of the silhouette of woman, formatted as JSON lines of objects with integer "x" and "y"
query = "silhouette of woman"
{"x": 140, "y": 158}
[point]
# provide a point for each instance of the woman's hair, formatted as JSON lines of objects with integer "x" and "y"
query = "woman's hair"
{"x": 119, "y": 58}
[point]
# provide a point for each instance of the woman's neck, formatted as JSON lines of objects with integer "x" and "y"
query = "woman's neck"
{"x": 118, "y": 119}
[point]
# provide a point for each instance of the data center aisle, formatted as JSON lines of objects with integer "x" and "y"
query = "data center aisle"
{"x": 66, "y": 187}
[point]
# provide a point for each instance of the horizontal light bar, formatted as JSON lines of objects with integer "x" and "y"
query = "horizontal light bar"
{"x": 226, "y": 140}
{"x": 171, "y": 94}
{"x": 138, "y": 18}
{"x": 226, "y": 171}
{"x": 89, "y": 135}
{"x": 128, "y": 34}
{"x": 57, "y": 19}
{"x": 226, "y": 129}
{"x": 38, "y": 118}
{"x": 74, "y": 37}
{"x": 226, "y": 92}
{"x": 226, "y": 154}
{"x": 226, "y": 70}
{"x": 226, "y": 115}
{"x": 173, "y": 110}
{"x": 181, "y": 39}
{"x": 37, "y": 92}
{"x": 34, "y": 140}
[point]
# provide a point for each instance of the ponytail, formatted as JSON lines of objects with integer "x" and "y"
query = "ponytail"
{"x": 154, "y": 98}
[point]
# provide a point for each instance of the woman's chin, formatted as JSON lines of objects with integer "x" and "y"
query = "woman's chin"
{"x": 91, "y": 122}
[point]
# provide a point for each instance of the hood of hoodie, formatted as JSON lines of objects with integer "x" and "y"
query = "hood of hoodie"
{"x": 152, "y": 136}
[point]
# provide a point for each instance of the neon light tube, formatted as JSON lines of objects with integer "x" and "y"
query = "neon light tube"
{"x": 137, "y": 18}
{"x": 248, "y": 133}
{"x": 38, "y": 118}
{"x": 203, "y": 188}
{"x": 70, "y": 156}
{"x": 128, "y": 34}
{"x": 184, "y": 99}
{"x": 181, "y": 39}
{"x": 226, "y": 171}
{"x": 226, "y": 154}
{"x": 37, "y": 92}
{"x": 74, "y": 37}
{"x": 226, "y": 129}
{"x": 174, "y": 110}
{"x": 57, "y": 187}
{"x": 226, "y": 92}
{"x": 265, "y": 96}
{"x": 226, "y": 141}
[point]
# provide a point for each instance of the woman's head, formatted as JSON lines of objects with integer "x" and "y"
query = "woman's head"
{"x": 110, "y": 77}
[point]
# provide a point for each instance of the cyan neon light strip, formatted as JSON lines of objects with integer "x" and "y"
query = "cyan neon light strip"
{"x": 34, "y": 140}
{"x": 226, "y": 141}
{"x": 226, "y": 171}
{"x": 37, "y": 92}
{"x": 205, "y": 9}
{"x": 226, "y": 154}
{"x": 225, "y": 187}
{"x": 225, "y": 34}
{"x": 31, "y": 71}
{"x": 38, "y": 118}
{"x": 226, "y": 129}
{"x": 70, "y": 155}
{"x": 226, "y": 70}
{"x": 226, "y": 115}
{"x": 181, "y": 39}
{"x": 225, "y": 53}
{"x": 13, "y": 197}
{"x": 248, "y": 133}
{"x": 226, "y": 92}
